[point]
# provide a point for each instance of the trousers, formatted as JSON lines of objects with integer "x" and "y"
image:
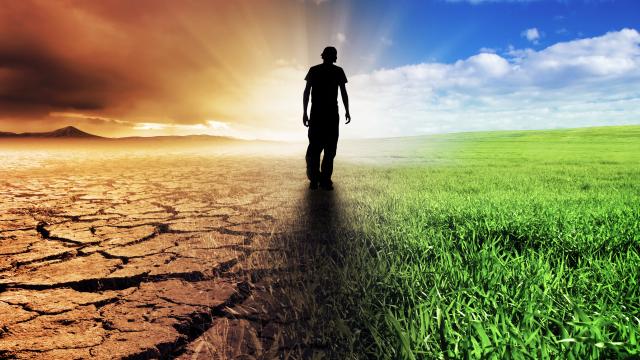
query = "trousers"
{"x": 323, "y": 136}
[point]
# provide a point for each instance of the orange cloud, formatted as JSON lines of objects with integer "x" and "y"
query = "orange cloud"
{"x": 108, "y": 65}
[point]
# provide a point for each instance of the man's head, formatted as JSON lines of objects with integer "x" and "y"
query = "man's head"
{"x": 329, "y": 54}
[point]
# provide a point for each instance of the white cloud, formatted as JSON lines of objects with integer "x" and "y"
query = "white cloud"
{"x": 586, "y": 82}
{"x": 341, "y": 37}
{"x": 532, "y": 35}
{"x": 209, "y": 127}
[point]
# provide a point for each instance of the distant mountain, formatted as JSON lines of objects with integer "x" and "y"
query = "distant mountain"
{"x": 70, "y": 132}
{"x": 65, "y": 132}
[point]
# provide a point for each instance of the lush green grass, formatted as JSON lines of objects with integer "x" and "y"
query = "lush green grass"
{"x": 515, "y": 245}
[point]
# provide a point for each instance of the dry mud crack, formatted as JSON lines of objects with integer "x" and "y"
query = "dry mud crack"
{"x": 186, "y": 257}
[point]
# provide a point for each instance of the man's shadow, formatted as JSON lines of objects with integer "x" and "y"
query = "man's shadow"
{"x": 322, "y": 220}
{"x": 314, "y": 263}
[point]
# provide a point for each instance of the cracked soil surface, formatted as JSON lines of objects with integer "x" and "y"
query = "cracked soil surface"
{"x": 107, "y": 256}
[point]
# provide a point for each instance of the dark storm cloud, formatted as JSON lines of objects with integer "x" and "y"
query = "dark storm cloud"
{"x": 157, "y": 61}
{"x": 34, "y": 81}
{"x": 54, "y": 57}
{"x": 143, "y": 61}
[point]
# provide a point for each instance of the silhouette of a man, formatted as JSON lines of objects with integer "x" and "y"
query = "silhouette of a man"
{"x": 323, "y": 81}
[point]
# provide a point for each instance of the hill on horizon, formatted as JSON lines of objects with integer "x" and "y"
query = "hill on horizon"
{"x": 71, "y": 132}
{"x": 65, "y": 132}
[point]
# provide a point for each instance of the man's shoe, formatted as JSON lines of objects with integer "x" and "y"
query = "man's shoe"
{"x": 313, "y": 185}
{"x": 326, "y": 186}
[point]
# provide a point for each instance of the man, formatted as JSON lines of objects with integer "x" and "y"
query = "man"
{"x": 323, "y": 81}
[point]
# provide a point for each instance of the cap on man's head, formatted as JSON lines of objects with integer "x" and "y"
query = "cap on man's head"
{"x": 329, "y": 50}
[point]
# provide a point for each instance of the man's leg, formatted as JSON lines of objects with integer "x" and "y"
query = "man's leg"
{"x": 327, "y": 161}
{"x": 313, "y": 158}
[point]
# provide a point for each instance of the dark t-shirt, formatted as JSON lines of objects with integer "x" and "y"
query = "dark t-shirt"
{"x": 325, "y": 79}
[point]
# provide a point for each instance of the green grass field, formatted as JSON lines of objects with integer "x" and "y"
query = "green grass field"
{"x": 521, "y": 245}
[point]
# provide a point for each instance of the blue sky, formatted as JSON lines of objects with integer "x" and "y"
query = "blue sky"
{"x": 446, "y": 31}
{"x": 435, "y": 66}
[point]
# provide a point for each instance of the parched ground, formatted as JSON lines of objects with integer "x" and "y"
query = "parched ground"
{"x": 147, "y": 256}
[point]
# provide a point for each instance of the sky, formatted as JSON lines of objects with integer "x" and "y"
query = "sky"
{"x": 236, "y": 68}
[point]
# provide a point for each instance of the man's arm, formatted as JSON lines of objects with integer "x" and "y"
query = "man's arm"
{"x": 305, "y": 103}
{"x": 345, "y": 101}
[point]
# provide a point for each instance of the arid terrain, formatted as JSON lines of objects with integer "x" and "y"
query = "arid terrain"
{"x": 150, "y": 254}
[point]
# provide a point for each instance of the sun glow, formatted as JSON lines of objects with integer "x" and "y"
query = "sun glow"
{"x": 181, "y": 68}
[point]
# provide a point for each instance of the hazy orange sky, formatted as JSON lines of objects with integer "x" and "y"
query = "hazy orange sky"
{"x": 133, "y": 67}
{"x": 236, "y": 67}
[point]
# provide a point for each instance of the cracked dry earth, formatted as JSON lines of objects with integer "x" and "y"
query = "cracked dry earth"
{"x": 119, "y": 256}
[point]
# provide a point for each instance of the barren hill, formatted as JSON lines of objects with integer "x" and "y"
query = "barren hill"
{"x": 65, "y": 132}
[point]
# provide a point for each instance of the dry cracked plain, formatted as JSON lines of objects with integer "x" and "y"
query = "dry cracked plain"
{"x": 186, "y": 256}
